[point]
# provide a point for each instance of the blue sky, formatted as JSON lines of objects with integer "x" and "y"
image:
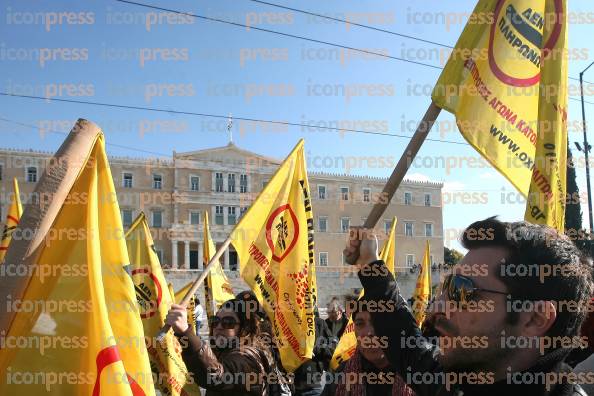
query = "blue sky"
{"x": 125, "y": 54}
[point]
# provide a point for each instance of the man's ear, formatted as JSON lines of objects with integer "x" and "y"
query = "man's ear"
{"x": 538, "y": 321}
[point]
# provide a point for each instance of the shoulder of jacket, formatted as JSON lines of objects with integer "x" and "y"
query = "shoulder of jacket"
{"x": 578, "y": 391}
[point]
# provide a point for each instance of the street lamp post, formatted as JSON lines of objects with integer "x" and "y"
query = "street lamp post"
{"x": 586, "y": 146}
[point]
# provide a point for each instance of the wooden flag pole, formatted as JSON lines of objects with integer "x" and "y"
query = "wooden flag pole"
{"x": 399, "y": 171}
{"x": 163, "y": 332}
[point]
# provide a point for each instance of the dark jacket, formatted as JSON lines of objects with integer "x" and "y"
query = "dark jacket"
{"x": 393, "y": 324}
{"x": 309, "y": 374}
{"x": 223, "y": 372}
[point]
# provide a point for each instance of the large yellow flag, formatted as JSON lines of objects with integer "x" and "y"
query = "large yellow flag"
{"x": 494, "y": 82}
{"x": 154, "y": 300}
{"x": 217, "y": 288}
{"x": 77, "y": 328}
{"x": 12, "y": 219}
{"x": 422, "y": 293}
{"x": 348, "y": 342}
{"x": 274, "y": 242}
{"x": 548, "y": 186}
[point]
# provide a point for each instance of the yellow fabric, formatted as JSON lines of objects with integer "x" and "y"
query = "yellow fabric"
{"x": 15, "y": 210}
{"x": 274, "y": 243}
{"x": 491, "y": 84}
{"x": 548, "y": 186}
{"x": 422, "y": 292}
{"x": 217, "y": 288}
{"x": 179, "y": 296}
{"x": 84, "y": 300}
{"x": 348, "y": 342}
{"x": 154, "y": 299}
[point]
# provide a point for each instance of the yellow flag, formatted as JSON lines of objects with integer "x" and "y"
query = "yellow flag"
{"x": 15, "y": 210}
{"x": 348, "y": 341}
{"x": 82, "y": 333}
{"x": 548, "y": 186}
{"x": 217, "y": 288}
{"x": 422, "y": 293}
{"x": 491, "y": 83}
{"x": 154, "y": 300}
{"x": 179, "y": 296}
{"x": 274, "y": 243}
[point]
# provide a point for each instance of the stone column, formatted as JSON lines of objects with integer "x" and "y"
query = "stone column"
{"x": 226, "y": 259}
{"x": 200, "y": 256}
{"x": 186, "y": 254}
{"x": 174, "y": 255}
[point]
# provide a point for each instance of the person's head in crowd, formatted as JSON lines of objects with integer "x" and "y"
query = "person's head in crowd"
{"x": 233, "y": 323}
{"x": 335, "y": 310}
{"x": 369, "y": 345}
{"x": 515, "y": 281}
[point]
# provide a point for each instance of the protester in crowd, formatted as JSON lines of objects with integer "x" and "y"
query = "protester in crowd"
{"x": 199, "y": 314}
{"x": 368, "y": 372}
{"x": 336, "y": 321}
{"x": 308, "y": 376}
{"x": 487, "y": 307}
{"x": 236, "y": 361}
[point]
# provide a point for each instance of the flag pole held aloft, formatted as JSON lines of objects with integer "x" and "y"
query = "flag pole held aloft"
{"x": 400, "y": 170}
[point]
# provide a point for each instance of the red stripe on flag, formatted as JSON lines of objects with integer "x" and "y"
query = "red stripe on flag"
{"x": 108, "y": 356}
{"x": 9, "y": 217}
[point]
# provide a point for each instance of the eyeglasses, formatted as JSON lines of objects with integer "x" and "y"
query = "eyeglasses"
{"x": 227, "y": 322}
{"x": 461, "y": 289}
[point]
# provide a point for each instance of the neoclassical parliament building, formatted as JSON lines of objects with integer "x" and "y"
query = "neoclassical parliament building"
{"x": 175, "y": 193}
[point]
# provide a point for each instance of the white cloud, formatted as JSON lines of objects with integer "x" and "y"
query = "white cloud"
{"x": 418, "y": 177}
{"x": 453, "y": 186}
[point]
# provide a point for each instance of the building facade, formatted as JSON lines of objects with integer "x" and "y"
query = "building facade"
{"x": 176, "y": 193}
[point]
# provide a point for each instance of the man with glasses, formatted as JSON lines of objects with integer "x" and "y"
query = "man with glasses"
{"x": 504, "y": 321}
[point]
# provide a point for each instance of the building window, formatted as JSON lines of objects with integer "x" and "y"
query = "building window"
{"x": 366, "y": 195}
{"x": 323, "y": 259}
{"x": 218, "y": 182}
{"x": 408, "y": 228}
{"x": 242, "y": 211}
{"x": 387, "y": 226}
{"x": 322, "y": 224}
{"x": 127, "y": 180}
{"x": 322, "y": 192}
{"x": 157, "y": 182}
{"x": 219, "y": 215}
{"x": 32, "y": 174}
{"x": 264, "y": 183}
{"x": 407, "y": 198}
{"x": 344, "y": 193}
{"x": 428, "y": 229}
{"x": 431, "y": 259}
{"x": 231, "y": 215}
{"x": 427, "y": 199}
{"x": 157, "y": 218}
{"x": 159, "y": 253}
{"x": 231, "y": 182}
{"x": 243, "y": 183}
{"x": 410, "y": 260}
{"x": 194, "y": 183}
{"x": 1, "y": 171}
{"x": 345, "y": 223}
{"x": 194, "y": 218}
{"x": 127, "y": 217}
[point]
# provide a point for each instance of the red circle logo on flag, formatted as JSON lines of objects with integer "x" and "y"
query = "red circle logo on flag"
{"x": 148, "y": 291}
{"x": 517, "y": 42}
{"x": 282, "y": 231}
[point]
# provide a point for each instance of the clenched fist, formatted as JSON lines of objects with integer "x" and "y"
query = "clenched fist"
{"x": 177, "y": 318}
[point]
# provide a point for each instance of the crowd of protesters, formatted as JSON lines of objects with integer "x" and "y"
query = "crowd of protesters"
{"x": 460, "y": 350}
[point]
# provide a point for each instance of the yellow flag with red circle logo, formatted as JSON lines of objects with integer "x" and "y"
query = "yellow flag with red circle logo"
{"x": 348, "y": 341}
{"x": 506, "y": 82}
{"x": 275, "y": 246}
{"x": 15, "y": 211}
{"x": 217, "y": 288}
{"x": 76, "y": 328}
{"x": 154, "y": 300}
